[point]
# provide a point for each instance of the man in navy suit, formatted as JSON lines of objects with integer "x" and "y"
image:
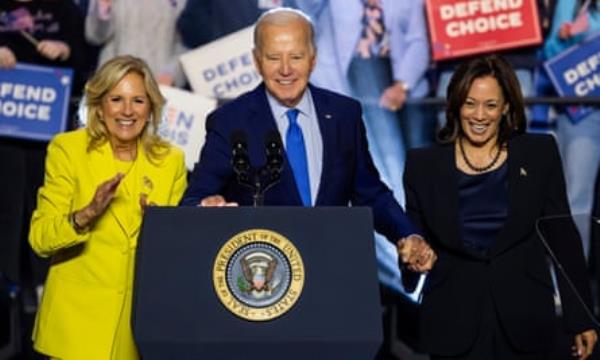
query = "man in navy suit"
{"x": 334, "y": 167}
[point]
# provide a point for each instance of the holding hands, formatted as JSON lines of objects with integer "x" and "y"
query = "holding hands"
{"x": 416, "y": 253}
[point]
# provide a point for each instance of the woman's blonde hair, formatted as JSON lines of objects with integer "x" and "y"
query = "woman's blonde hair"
{"x": 106, "y": 78}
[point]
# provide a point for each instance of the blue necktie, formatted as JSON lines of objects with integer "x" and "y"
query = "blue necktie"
{"x": 296, "y": 153}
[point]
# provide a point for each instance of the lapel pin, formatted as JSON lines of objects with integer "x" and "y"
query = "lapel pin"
{"x": 328, "y": 116}
{"x": 147, "y": 183}
{"x": 522, "y": 172}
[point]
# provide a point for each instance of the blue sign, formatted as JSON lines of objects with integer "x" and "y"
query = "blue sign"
{"x": 576, "y": 72}
{"x": 34, "y": 101}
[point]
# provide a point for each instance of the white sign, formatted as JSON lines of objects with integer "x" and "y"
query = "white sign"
{"x": 183, "y": 121}
{"x": 223, "y": 69}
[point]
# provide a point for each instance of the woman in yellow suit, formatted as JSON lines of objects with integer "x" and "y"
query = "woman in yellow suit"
{"x": 98, "y": 181}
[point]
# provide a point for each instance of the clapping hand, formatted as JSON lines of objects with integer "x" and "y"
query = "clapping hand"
{"x": 105, "y": 193}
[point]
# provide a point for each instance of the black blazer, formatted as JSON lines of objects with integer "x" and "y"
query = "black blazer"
{"x": 516, "y": 272}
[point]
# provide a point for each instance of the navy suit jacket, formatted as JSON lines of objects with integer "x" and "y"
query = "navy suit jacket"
{"x": 515, "y": 273}
{"x": 348, "y": 176}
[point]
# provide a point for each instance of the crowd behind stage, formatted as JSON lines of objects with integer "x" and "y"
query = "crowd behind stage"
{"x": 376, "y": 51}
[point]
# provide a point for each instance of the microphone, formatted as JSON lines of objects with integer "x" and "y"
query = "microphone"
{"x": 240, "y": 162}
{"x": 252, "y": 177}
{"x": 274, "y": 153}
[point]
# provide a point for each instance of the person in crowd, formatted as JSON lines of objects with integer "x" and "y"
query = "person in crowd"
{"x": 98, "y": 181}
{"x": 594, "y": 257}
{"x": 477, "y": 198}
{"x": 42, "y": 32}
{"x": 526, "y": 61}
{"x": 377, "y": 52}
{"x": 203, "y": 21}
{"x": 144, "y": 29}
{"x": 327, "y": 162}
{"x": 45, "y": 33}
{"x": 578, "y": 136}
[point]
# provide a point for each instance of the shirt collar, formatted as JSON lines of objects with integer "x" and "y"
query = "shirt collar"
{"x": 279, "y": 110}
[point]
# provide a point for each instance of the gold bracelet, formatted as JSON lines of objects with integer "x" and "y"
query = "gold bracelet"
{"x": 78, "y": 228}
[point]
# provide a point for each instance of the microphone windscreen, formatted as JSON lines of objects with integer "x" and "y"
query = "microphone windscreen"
{"x": 273, "y": 140}
{"x": 237, "y": 137}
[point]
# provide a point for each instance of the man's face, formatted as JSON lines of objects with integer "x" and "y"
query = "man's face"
{"x": 285, "y": 60}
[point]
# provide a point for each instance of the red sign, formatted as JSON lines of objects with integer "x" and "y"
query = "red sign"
{"x": 467, "y": 27}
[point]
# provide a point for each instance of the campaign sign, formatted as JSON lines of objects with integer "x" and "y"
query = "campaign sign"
{"x": 183, "y": 121}
{"x": 222, "y": 69}
{"x": 576, "y": 72}
{"x": 34, "y": 101}
{"x": 467, "y": 27}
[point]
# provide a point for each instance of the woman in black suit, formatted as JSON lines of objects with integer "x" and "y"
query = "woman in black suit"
{"x": 477, "y": 198}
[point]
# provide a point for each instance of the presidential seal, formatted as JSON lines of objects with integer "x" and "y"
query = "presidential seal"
{"x": 258, "y": 275}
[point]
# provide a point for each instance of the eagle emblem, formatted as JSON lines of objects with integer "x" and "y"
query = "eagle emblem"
{"x": 258, "y": 274}
{"x": 258, "y": 269}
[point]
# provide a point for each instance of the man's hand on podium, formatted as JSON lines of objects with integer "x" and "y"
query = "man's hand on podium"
{"x": 216, "y": 201}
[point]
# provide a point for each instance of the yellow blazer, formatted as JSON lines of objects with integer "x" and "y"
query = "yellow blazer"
{"x": 86, "y": 305}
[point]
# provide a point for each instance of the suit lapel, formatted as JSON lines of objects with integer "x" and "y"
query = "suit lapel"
{"x": 445, "y": 188}
{"x": 519, "y": 191}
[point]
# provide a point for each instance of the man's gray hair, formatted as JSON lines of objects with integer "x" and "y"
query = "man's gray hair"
{"x": 283, "y": 16}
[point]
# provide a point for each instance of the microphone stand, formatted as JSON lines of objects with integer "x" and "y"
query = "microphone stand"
{"x": 258, "y": 195}
{"x": 272, "y": 168}
{"x": 251, "y": 177}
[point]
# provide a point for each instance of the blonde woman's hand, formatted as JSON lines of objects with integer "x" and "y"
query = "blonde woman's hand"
{"x": 105, "y": 193}
{"x": 144, "y": 203}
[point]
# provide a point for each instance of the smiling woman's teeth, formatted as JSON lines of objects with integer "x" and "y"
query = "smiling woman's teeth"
{"x": 478, "y": 128}
{"x": 125, "y": 122}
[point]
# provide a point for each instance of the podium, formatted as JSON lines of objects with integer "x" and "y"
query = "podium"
{"x": 177, "y": 313}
